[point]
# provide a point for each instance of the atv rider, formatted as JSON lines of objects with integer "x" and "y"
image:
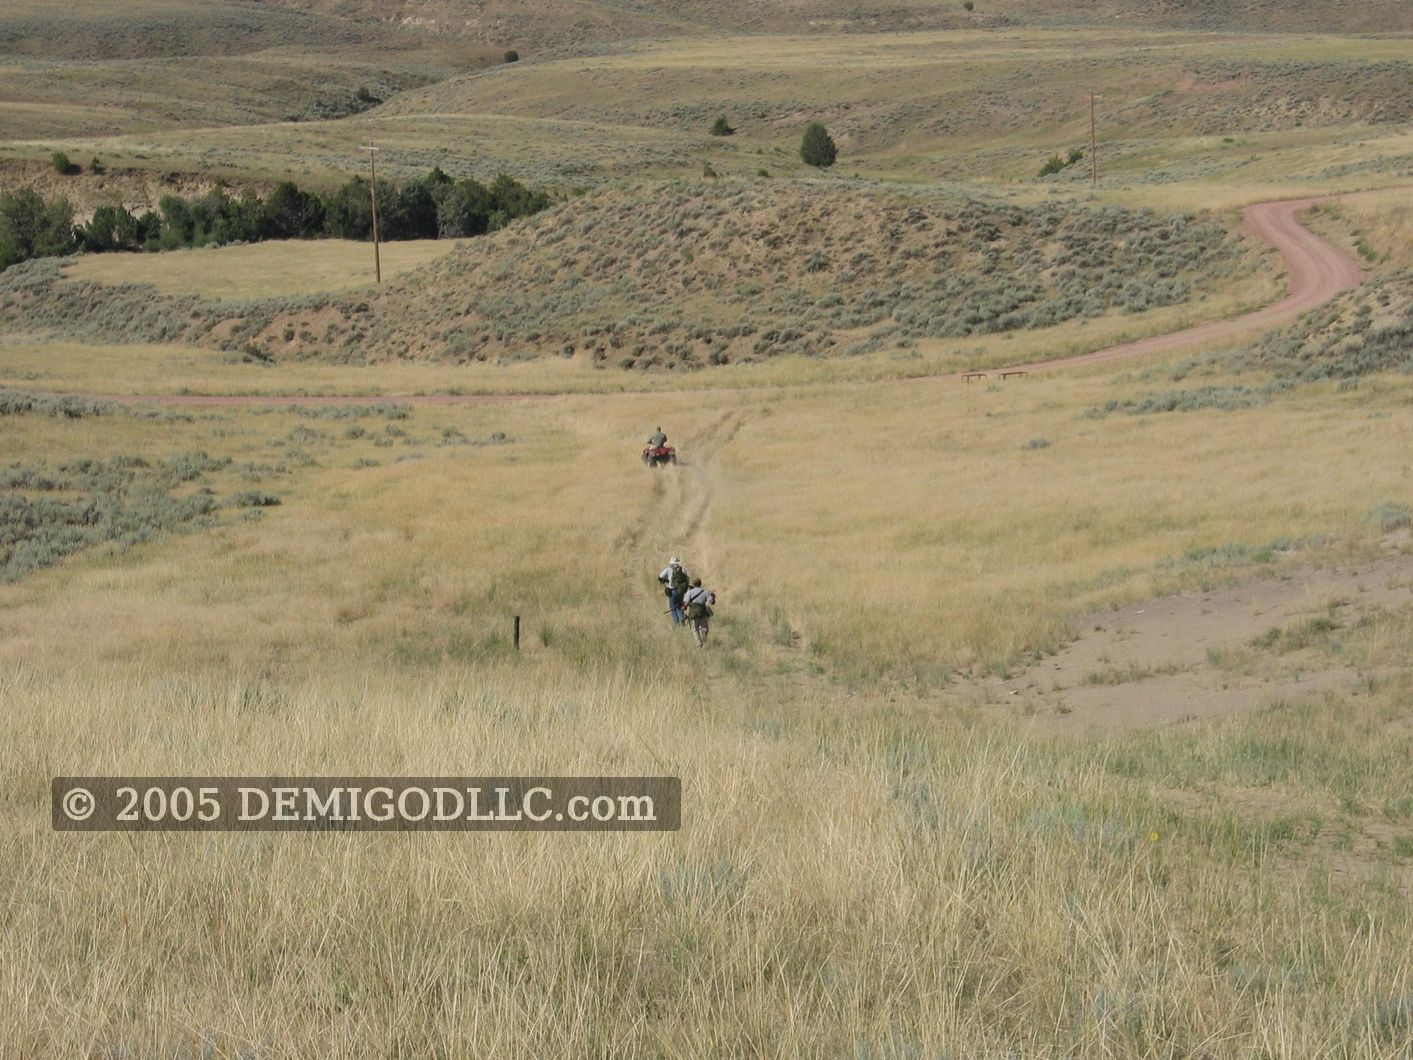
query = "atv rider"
{"x": 658, "y": 440}
{"x": 675, "y": 584}
{"x": 697, "y": 603}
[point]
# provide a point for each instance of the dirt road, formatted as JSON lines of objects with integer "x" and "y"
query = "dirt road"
{"x": 1316, "y": 272}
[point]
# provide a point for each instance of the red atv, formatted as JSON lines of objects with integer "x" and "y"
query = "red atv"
{"x": 657, "y": 455}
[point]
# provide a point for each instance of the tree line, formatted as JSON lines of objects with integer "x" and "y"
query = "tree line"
{"x": 433, "y": 207}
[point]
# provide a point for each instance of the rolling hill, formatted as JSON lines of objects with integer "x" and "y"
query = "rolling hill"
{"x": 561, "y": 23}
{"x": 688, "y": 275}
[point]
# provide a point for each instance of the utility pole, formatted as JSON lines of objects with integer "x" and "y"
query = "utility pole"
{"x": 373, "y": 150}
{"x": 1093, "y": 146}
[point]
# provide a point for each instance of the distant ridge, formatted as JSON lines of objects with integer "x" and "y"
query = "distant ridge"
{"x": 569, "y": 22}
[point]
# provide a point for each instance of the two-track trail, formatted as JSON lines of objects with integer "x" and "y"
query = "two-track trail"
{"x": 676, "y": 517}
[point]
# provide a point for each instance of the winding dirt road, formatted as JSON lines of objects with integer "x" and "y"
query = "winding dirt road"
{"x": 1316, "y": 272}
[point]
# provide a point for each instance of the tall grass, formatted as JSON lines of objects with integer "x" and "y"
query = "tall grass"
{"x": 868, "y": 866}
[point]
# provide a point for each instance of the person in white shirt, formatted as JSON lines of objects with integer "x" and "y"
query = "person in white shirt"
{"x": 675, "y": 583}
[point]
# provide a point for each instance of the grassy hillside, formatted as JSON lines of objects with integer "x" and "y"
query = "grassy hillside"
{"x": 963, "y": 86}
{"x": 58, "y": 101}
{"x": 1200, "y": 109}
{"x": 70, "y": 70}
{"x": 560, "y": 23}
{"x": 681, "y": 276}
{"x": 150, "y": 29}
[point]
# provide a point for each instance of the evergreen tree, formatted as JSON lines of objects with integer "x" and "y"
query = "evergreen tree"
{"x": 817, "y": 148}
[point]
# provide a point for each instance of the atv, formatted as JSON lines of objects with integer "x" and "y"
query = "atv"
{"x": 657, "y": 455}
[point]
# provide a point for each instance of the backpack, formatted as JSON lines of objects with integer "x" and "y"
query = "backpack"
{"x": 699, "y": 608}
{"x": 678, "y": 580}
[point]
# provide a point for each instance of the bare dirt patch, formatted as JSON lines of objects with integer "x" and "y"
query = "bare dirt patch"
{"x": 1177, "y": 658}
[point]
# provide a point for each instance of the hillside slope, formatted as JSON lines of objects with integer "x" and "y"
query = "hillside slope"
{"x": 563, "y": 23}
{"x": 148, "y": 29}
{"x": 683, "y": 275}
{"x": 99, "y": 69}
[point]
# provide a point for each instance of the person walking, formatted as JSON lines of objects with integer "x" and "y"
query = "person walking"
{"x": 696, "y": 603}
{"x": 675, "y": 584}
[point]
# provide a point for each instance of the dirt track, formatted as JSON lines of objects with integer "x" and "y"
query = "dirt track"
{"x": 1317, "y": 272}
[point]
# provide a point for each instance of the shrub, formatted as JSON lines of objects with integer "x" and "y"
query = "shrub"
{"x": 290, "y": 213}
{"x": 31, "y": 227}
{"x": 721, "y": 127}
{"x": 1390, "y": 516}
{"x": 62, "y": 165}
{"x": 968, "y": 5}
{"x": 1055, "y": 164}
{"x": 122, "y": 501}
{"x": 96, "y": 166}
{"x": 254, "y": 499}
{"x": 512, "y": 56}
{"x": 817, "y": 148}
{"x": 114, "y": 228}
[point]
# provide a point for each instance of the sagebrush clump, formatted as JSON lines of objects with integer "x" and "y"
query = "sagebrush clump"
{"x": 48, "y": 513}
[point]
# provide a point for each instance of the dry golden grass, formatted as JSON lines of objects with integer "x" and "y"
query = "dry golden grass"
{"x": 863, "y": 870}
{"x": 1380, "y": 225}
{"x": 262, "y": 270}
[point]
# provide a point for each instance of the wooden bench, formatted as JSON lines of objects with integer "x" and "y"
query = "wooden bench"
{"x": 969, "y": 376}
{"x": 1016, "y": 371}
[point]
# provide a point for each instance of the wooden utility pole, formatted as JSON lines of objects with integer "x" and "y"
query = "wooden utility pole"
{"x": 373, "y": 150}
{"x": 1093, "y": 146}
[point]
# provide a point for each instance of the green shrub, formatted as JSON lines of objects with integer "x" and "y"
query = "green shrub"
{"x": 721, "y": 127}
{"x": 254, "y": 499}
{"x": 60, "y": 161}
{"x": 31, "y": 227}
{"x": 817, "y": 148}
{"x": 512, "y": 56}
